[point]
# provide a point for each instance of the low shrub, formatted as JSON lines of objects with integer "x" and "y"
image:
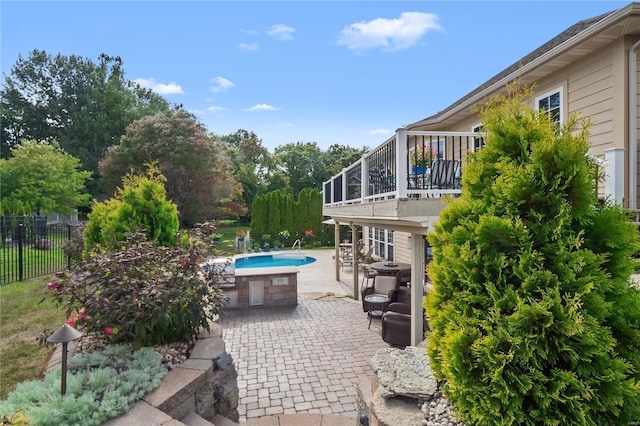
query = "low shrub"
{"x": 144, "y": 293}
{"x": 101, "y": 385}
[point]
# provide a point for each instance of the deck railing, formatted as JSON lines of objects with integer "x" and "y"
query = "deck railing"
{"x": 410, "y": 163}
{"x": 414, "y": 164}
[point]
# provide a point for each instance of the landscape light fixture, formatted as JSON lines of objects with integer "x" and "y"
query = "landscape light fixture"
{"x": 64, "y": 335}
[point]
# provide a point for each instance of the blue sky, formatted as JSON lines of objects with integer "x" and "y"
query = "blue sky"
{"x": 328, "y": 72}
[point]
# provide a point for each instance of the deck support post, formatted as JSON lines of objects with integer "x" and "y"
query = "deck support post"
{"x": 355, "y": 254}
{"x": 417, "y": 288}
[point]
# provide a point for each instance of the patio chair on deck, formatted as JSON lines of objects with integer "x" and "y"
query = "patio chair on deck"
{"x": 368, "y": 274}
{"x": 404, "y": 276}
{"x": 443, "y": 174}
{"x": 365, "y": 259}
{"x": 345, "y": 260}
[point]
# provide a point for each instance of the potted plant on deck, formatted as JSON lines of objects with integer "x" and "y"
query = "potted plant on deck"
{"x": 421, "y": 158}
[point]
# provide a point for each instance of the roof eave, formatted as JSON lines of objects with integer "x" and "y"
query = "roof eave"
{"x": 609, "y": 20}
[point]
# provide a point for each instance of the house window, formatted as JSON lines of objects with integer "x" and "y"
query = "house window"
{"x": 382, "y": 241}
{"x": 478, "y": 141}
{"x": 551, "y": 102}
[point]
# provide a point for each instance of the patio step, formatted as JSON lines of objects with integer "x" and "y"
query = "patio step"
{"x": 192, "y": 419}
{"x": 302, "y": 419}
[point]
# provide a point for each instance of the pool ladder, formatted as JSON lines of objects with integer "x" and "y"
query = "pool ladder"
{"x": 298, "y": 242}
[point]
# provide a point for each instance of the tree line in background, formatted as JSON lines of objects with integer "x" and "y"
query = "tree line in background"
{"x": 75, "y": 107}
{"x": 279, "y": 220}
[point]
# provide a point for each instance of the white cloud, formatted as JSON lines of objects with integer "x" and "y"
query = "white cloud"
{"x": 285, "y": 125}
{"x": 261, "y": 107}
{"x": 379, "y": 132}
{"x": 160, "y": 88}
{"x": 249, "y": 46}
{"x": 220, "y": 84}
{"x": 281, "y": 32}
{"x": 215, "y": 108}
{"x": 389, "y": 34}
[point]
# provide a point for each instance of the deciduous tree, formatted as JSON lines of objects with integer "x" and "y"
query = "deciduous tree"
{"x": 304, "y": 164}
{"x": 43, "y": 177}
{"x": 251, "y": 163}
{"x": 199, "y": 177}
{"x": 83, "y": 105}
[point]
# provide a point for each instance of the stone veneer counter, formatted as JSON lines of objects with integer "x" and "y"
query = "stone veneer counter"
{"x": 273, "y": 286}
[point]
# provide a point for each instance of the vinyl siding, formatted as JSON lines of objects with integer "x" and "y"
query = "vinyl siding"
{"x": 403, "y": 253}
{"x": 637, "y": 91}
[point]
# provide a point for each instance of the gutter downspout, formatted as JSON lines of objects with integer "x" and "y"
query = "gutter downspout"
{"x": 633, "y": 129}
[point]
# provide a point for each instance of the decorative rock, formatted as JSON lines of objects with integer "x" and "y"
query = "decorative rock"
{"x": 224, "y": 360}
{"x": 394, "y": 412}
{"x": 404, "y": 372}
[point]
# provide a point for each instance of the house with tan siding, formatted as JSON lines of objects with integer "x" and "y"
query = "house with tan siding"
{"x": 591, "y": 69}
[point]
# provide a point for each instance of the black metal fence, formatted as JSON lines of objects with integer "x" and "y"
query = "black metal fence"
{"x": 30, "y": 248}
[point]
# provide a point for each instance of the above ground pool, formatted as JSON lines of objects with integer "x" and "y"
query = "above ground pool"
{"x": 271, "y": 260}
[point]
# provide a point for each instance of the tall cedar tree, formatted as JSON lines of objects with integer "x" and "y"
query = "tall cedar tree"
{"x": 533, "y": 320}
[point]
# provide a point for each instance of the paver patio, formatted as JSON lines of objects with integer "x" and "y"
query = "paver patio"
{"x": 305, "y": 359}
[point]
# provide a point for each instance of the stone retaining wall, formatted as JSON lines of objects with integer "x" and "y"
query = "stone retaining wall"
{"x": 205, "y": 384}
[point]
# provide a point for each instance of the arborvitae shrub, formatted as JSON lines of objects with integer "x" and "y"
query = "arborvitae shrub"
{"x": 141, "y": 203}
{"x": 532, "y": 317}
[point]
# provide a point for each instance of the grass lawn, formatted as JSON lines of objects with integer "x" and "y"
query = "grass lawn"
{"x": 22, "y": 320}
{"x": 226, "y": 246}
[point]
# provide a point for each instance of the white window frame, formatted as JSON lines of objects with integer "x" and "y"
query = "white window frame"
{"x": 478, "y": 141}
{"x": 548, "y": 95}
{"x": 382, "y": 240}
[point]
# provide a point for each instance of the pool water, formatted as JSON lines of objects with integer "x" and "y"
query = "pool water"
{"x": 271, "y": 260}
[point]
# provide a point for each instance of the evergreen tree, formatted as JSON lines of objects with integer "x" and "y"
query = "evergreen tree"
{"x": 302, "y": 209}
{"x": 315, "y": 211}
{"x": 258, "y": 217}
{"x": 533, "y": 320}
{"x": 141, "y": 203}
{"x": 288, "y": 219}
{"x": 273, "y": 219}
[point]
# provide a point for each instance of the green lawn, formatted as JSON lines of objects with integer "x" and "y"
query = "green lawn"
{"x": 22, "y": 321}
{"x": 35, "y": 262}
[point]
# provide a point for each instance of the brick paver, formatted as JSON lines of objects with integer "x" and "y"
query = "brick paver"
{"x": 301, "y": 360}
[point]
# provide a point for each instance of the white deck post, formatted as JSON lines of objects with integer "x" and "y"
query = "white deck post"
{"x": 354, "y": 260}
{"x": 614, "y": 174}
{"x": 364, "y": 178}
{"x": 417, "y": 288}
{"x": 336, "y": 255}
{"x": 401, "y": 163}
